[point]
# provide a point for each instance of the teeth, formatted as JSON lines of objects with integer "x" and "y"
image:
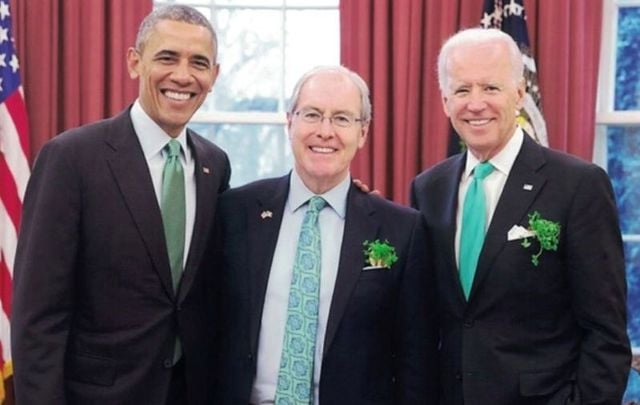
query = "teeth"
{"x": 320, "y": 149}
{"x": 174, "y": 95}
{"x": 479, "y": 122}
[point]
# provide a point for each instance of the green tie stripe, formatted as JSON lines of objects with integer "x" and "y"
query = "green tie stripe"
{"x": 295, "y": 376}
{"x": 174, "y": 210}
{"x": 474, "y": 219}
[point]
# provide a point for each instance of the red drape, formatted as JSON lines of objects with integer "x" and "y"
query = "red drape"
{"x": 394, "y": 44}
{"x": 72, "y": 54}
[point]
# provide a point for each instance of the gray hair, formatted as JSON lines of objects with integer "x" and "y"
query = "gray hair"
{"x": 174, "y": 12}
{"x": 365, "y": 103}
{"x": 479, "y": 36}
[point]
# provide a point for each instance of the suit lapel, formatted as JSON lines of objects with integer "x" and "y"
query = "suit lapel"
{"x": 520, "y": 190}
{"x": 204, "y": 211}
{"x": 263, "y": 225}
{"x": 360, "y": 225}
{"x": 131, "y": 173}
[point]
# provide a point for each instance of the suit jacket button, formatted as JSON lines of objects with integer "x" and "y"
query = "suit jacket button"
{"x": 468, "y": 323}
{"x": 167, "y": 363}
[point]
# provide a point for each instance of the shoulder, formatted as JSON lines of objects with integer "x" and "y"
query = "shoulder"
{"x": 439, "y": 171}
{"x": 386, "y": 209}
{"x": 258, "y": 189}
{"x": 205, "y": 146}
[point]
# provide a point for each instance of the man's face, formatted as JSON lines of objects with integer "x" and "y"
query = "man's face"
{"x": 176, "y": 71}
{"x": 481, "y": 97}
{"x": 323, "y": 151}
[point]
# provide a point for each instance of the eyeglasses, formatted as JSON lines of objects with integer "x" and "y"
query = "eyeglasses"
{"x": 342, "y": 120}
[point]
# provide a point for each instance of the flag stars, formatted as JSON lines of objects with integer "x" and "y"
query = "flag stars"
{"x": 4, "y": 34}
{"x": 3, "y": 60}
{"x": 14, "y": 63}
{"x": 513, "y": 8}
{"x": 4, "y": 10}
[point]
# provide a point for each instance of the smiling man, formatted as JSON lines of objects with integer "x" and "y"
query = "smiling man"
{"x": 308, "y": 317}
{"x": 525, "y": 317}
{"x": 108, "y": 293}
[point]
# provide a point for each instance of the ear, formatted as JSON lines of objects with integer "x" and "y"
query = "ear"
{"x": 289, "y": 122}
{"x": 215, "y": 70}
{"x": 445, "y": 106}
{"x": 133, "y": 63}
{"x": 521, "y": 91}
{"x": 364, "y": 132}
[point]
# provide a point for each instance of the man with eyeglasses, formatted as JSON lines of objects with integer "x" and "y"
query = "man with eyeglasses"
{"x": 308, "y": 317}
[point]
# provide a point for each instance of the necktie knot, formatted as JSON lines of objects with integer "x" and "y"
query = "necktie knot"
{"x": 173, "y": 149}
{"x": 482, "y": 170}
{"x": 316, "y": 204}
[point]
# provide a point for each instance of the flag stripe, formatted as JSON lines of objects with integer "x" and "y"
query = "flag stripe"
{"x": 18, "y": 112}
{"x": 5, "y": 286}
{"x": 12, "y": 149}
{"x": 9, "y": 194}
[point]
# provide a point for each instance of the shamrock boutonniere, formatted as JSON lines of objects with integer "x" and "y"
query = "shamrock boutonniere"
{"x": 546, "y": 232}
{"x": 379, "y": 254}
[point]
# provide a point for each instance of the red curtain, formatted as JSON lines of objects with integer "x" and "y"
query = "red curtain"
{"x": 72, "y": 55}
{"x": 394, "y": 46}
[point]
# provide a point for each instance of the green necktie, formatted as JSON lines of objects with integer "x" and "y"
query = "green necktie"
{"x": 474, "y": 219}
{"x": 174, "y": 209}
{"x": 295, "y": 377}
{"x": 174, "y": 213}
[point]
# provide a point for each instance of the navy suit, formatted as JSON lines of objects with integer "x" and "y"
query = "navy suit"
{"x": 380, "y": 343}
{"x": 95, "y": 316}
{"x": 550, "y": 334}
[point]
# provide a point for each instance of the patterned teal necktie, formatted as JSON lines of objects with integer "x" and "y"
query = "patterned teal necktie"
{"x": 174, "y": 210}
{"x": 474, "y": 219}
{"x": 295, "y": 378}
{"x": 174, "y": 213}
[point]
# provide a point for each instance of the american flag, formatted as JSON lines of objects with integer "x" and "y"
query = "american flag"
{"x": 14, "y": 173}
{"x": 509, "y": 16}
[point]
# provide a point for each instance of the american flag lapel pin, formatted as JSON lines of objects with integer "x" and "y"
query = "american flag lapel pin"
{"x": 266, "y": 214}
{"x": 205, "y": 170}
{"x": 527, "y": 187}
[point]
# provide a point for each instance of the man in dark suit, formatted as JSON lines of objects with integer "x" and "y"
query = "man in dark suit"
{"x": 103, "y": 313}
{"x": 544, "y": 324}
{"x": 373, "y": 340}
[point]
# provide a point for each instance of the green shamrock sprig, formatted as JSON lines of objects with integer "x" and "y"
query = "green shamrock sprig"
{"x": 546, "y": 232}
{"x": 379, "y": 254}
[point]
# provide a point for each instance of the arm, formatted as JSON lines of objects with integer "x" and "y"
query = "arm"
{"x": 597, "y": 280}
{"x": 416, "y": 327}
{"x": 43, "y": 279}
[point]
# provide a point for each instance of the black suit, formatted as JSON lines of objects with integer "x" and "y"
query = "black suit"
{"x": 95, "y": 316}
{"x": 532, "y": 335}
{"x": 380, "y": 341}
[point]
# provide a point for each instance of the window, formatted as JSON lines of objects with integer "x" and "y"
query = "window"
{"x": 618, "y": 145}
{"x": 264, "y": 47}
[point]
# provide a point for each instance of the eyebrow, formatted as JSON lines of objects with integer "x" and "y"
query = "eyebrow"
{"x": 197, "y": 57}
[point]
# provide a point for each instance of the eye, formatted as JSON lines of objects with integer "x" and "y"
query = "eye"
{"x": 461, "y": 91}
{"x": 341, "y": 119}
{"x": 492, "y": 89}
{"x": 311, "y": 115}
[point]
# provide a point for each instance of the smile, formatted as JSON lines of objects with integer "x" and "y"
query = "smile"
{"x": 478, "y": 122}
{"x": 322, "y": 149}
{"x": 176, "y": 95}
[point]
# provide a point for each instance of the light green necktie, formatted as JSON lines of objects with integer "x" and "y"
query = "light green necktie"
{"x": 474, "y": 220}
{"x": 174, "y": 214}
{"x": 174, "y": 209}
{"x": 295, "y": 377}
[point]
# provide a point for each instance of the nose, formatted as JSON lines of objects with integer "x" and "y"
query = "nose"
{"x": 476, "y": 102}
{"x": 181, "y": 73}
{"x": 326, "y": 129}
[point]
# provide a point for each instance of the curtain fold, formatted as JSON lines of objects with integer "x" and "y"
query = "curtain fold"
{"x": 73, "y": 60}
{"x": 394, "y": 45}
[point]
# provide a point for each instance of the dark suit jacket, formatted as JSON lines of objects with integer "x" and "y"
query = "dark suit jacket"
{"x": 532, "y": 335}
{"x": 380, "y": 343}
{"x": 95, "y": 316}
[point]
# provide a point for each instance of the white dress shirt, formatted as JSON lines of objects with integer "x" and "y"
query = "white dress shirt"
{"x": 153, "y": 140}
{"x": 493, "y": 183}
{"x": 274, "y": 315}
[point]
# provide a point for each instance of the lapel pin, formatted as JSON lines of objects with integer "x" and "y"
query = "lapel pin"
{"x": 527, "y": 187}
{"x": 205, "y": 170}
{"x": 266, "y": 214}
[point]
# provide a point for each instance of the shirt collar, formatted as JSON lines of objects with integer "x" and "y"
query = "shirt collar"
{"x": 504, "y": 160}
{"x": 153, "y": 138}
{"x": 336, "y": 198}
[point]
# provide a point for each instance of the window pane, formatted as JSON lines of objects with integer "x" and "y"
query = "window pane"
{"x": 255, "y": 151}
{"x": 250, "y": 59}
{"x": 623, "y": 153}
{"x": 312, "y": 3}
{"x": 627, "y": 93}
{"x": 306, "y": 47}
